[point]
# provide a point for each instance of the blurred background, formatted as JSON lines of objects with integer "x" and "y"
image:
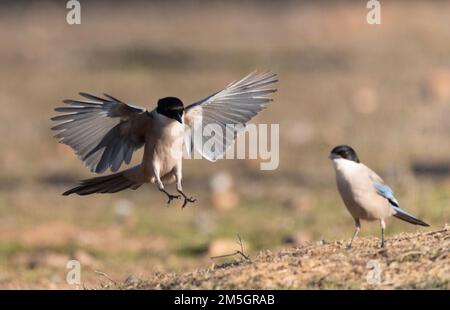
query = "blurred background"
{"x": 384, "y": 89}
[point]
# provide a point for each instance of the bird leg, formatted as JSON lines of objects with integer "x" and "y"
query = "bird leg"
{"x": 186, "y": 198}
{"x": 383, "y": 227}
{"x": 161, "y": 185}
{"x": 357, "y": 229}
{"x": 180, "y": 188}
{"x": 170, "y": 196}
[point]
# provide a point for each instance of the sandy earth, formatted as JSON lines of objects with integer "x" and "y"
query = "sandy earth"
{"x": 410, "y": 261}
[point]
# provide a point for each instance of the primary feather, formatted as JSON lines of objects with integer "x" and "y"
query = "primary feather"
{"x": 236, "y": 104}
{"x": 103, "y": 132}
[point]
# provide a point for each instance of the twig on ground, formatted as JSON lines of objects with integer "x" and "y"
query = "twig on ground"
{"x": 106, "y": 276}
{"x": 238, "y": 252}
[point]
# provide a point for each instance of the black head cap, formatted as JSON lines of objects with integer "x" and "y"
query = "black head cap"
{"x": 344, "y": 151}
{"x": 171, "y": 107}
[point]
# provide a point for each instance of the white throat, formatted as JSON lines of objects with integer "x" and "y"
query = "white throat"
{"x": 344, "y": 165}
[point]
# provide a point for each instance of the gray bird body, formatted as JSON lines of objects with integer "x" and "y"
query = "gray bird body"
{"x": 104, "y": 133}
{"x": 364, "y": 193}
{"x": 355, "y": 184}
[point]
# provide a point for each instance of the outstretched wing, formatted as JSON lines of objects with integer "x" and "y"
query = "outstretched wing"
{"x": 234, "y": 106}
{"x": 385, "y": 191}
{"x": 103, "y": 132}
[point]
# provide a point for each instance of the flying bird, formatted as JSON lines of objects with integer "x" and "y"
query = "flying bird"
{"x": 364, "y": 193}
{"x": 104, "y": 133}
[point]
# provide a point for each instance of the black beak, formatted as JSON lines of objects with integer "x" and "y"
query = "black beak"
{"x": 179, "y": 117}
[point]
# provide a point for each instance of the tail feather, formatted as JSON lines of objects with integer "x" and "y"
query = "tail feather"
{"x": 105, "y": 184}
{"x": 405, "y": 216}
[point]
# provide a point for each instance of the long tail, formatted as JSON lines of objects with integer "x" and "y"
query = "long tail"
{"x": 405, "y": 216}
{"x": 106, "y": 184}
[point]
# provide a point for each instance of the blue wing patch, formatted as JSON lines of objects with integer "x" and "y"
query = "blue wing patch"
{"x": 386, "y": 192}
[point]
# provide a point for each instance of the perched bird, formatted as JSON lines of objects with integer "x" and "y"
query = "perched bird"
{"x": 104, "y": 133}
{"x": 364, "y": 193}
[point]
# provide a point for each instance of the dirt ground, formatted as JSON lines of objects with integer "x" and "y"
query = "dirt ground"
{"x": 410, "y": 261}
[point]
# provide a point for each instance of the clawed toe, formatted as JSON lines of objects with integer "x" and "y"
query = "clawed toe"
{"x": 172, "y": 197}
{"x": 169, "y": 196}
{"x": 186, "y": 200}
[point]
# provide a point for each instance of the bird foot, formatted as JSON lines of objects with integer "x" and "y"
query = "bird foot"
{"x": 169, "y": 196}
{"x": 172, "y": 197}
{"x": 188, "y": 199}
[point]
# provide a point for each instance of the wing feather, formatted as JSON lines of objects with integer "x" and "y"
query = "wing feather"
{"x": 236, "y": 104}
{"x": 103, "y": 132}
{"x": 385, "y": 191}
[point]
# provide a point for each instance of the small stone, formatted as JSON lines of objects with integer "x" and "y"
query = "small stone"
{"x": 298, "y": 238}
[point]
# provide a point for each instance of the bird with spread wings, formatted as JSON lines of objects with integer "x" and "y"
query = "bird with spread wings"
{"x": 105, "y": 132}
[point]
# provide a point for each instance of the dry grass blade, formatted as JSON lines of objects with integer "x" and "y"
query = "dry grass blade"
{"x": 100, "y": 273}
{"x": 238, "y": 252}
